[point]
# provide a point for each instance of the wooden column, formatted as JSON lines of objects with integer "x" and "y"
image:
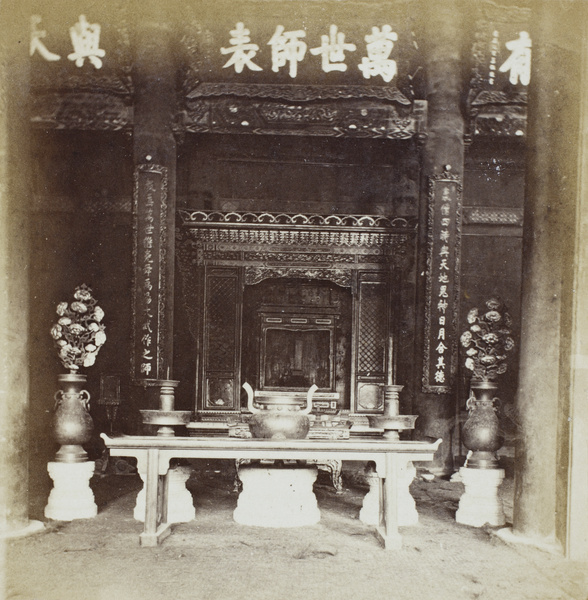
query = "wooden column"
{"x": 14, "y": 273}
{"x": 154, "y": 79}
{"x": 443, "y": 147}
{"x": 551, "y": 397}
{"x": 574, "y": 529}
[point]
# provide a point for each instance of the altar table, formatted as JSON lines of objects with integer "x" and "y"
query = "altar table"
{"x": 153, "y": 454}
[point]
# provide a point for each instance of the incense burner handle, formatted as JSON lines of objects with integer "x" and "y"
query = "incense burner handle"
{"x": 250, "y": 398}
{"x": 309, "y": 396}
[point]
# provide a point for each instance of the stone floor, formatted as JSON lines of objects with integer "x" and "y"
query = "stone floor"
{"x": 213, "y": 557}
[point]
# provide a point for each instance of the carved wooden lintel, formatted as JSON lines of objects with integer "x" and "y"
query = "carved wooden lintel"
{"x": 351, "y": 112}
{"x": 81, "y": 110}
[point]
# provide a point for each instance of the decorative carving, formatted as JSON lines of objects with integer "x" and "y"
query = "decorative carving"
{"x": 255, "y": 275}
{"x": 268, "y": 243}
{"x": 289, "y": 237}
{"x": 485, "y": 215}
{"x": 297, "y": 257}
{"x": 508, "y": 121}
{"x": 365, "y": 118}
{"x": 266, "y": 218}
{"x": 298, "y": 93}
{"x": 81, "y": 110}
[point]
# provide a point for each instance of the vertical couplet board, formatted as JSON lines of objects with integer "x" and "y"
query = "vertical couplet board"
{"x": 150, "y": 208}
{"x": 443, "y": 269}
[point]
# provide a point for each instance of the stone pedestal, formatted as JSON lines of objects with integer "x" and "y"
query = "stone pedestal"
{"x": 277, "y": 497}
{"x": 71, "y": 497}
{"x": 180, "y": 507}
{"x": 479, "y": 504}
{"x": 407, "y": 512}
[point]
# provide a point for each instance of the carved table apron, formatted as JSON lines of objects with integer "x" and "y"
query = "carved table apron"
{"x": 154, "y": 453}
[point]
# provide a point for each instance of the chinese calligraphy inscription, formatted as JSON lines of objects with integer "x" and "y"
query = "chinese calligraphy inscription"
{"x": 288, "y": 48}
{"x": 85, "y": 39}
{"x": 150, "y": 214}
{"x": 518, "y": 64}
{"x": 443, "y": 260}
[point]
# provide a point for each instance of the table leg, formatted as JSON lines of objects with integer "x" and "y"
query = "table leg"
{"x": 156, "y": 526}
{"x": 388, "y": 530}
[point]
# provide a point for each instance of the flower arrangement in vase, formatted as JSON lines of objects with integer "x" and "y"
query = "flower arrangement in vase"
{"x": 487, "y": 342}
{"x": 79, "y": 334}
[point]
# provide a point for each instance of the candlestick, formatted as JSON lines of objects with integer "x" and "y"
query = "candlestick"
{"x": 390, "y": 366}
{"x": 166, "y": 397}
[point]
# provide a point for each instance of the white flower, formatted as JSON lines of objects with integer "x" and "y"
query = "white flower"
{"x": 493, "y": 304}
{"x": 94, "y": 327}
{"x": 56, "y": 331}
{"x": 100, "y": 338}
{"x": 493, "y": 315}
{"x": 473, "y": 315}
{"x": 509, "y": 344}
{"x": 83, "y": 293}
{"x": 61, "y": 308}
{"x": 76, "y": 328}
{"x": 98, "y": 314}
{"x": 64, "y": 321}
{"x": 79, "y": 307}
{"x": 490, "y": 338}
{"x": 89, "y": 359}
{"x": 469, "y": 364}
{"x": 488, "y": 359}
{"x": 471, "y": 352}
{"x": 90, "y": 347}
{"x": 466, "y": 339}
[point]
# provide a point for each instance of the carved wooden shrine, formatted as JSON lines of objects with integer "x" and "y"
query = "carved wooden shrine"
{"x": 222, "y": 254}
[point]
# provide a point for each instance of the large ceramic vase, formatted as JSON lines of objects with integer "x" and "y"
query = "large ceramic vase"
{"x": 72, "y": 422}
{"x": 481, "y": 433}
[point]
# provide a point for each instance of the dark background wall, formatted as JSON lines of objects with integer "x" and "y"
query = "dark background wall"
{"x": 81, "y": 232}
{"x": 494, "y": 181}
{"x": 298, "y": 174}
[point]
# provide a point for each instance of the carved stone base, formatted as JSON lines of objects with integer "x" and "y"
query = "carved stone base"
{"x": 281, "y": 497}
{"x": 479, "y": 504}
{"x": 71, "y": 497}
{"x": 407, "y": 512}
{"x": 180, "y": 506}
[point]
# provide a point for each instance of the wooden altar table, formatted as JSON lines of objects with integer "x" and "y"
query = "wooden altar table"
{"x": 154, "y": 453}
